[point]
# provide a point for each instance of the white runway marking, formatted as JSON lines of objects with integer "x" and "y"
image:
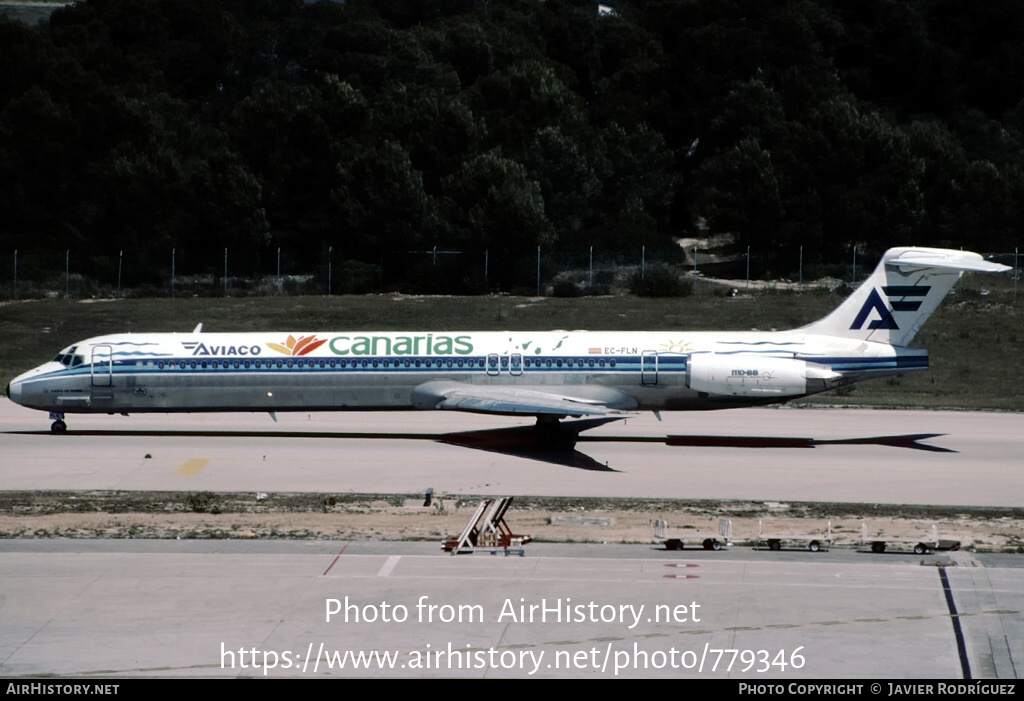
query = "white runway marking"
{"x": 389, "y": 565}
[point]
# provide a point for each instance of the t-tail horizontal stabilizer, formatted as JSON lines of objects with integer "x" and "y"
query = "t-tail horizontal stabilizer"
{"x": 902, "y": 292}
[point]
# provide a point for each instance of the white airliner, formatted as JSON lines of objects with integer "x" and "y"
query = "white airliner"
{"x": 550, "y": 375}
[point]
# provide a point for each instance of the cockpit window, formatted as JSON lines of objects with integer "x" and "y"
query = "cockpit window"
{"x": 68, "y": 358}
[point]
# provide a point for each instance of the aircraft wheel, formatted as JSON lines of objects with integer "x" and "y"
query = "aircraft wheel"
{"x": 920, "y": 549}
{"x": 58, "y": 427}
{"x": 814, "y": 546}
{"x": 774, "y": 545}
{"x": 715, "y": 545}
{"x": 878, "y": 547}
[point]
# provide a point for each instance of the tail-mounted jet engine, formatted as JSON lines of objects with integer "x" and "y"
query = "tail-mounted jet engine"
{"x": 753, "y": 375}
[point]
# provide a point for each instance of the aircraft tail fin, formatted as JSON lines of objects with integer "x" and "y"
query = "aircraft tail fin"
{"x": 899, "y": 296}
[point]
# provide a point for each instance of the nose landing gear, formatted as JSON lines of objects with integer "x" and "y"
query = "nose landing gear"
{"x": 58, "y": 426}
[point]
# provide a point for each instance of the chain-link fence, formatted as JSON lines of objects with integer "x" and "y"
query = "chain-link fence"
{"x": 684, "y": 271}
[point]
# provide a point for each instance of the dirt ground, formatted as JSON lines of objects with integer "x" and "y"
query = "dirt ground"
{"x": 205, "y": 515}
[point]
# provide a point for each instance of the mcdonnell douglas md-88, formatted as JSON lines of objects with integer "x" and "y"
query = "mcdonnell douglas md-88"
{"x": 549, "y": 375}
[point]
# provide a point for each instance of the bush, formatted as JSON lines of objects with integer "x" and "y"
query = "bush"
{"x": 565, "y": 288}
{"x": 659, "y": 280}
{"x": 351, "y": 277}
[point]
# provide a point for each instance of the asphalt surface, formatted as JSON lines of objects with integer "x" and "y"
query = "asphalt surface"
{"x": 841, "y": 455}
{"x": 101, "y": 609}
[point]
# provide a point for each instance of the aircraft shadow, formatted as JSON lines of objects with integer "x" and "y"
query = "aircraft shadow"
{"x": 517, "y": 441}
{"x": 912, "y": 441}
{"x": 520, "y": 441}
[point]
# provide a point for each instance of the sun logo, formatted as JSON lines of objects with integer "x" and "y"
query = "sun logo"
{"x": 677, "y": 346}
{"x": 300, "y": 346}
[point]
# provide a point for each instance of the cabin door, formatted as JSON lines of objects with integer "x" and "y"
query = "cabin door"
{"x": 649, "y": 367}
{"x": 102, "y": 370}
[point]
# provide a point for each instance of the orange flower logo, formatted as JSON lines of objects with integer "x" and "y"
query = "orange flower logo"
{"x": 301, "y": 346}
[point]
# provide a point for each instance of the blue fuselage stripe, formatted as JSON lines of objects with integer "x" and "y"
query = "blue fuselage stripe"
{"x": 492, "y": 365}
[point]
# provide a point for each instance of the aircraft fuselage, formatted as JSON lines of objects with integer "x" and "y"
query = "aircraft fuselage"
{"x": 381, "y": 371}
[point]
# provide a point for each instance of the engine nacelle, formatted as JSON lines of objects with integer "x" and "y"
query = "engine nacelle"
{"x": 752, "y": 375}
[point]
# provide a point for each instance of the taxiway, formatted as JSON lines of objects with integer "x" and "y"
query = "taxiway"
{"x": 842, "y": 455}
{"x": 100, "y": 609}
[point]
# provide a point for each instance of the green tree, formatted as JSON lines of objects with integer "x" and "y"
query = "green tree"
{"x": 493, "y": 204}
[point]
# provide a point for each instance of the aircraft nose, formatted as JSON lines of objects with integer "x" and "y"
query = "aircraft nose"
{"x": 14, "y": 392}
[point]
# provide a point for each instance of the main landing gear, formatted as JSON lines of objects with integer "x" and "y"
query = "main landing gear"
{"x": 550, "y": 433}
{"x": 58, "y": 426}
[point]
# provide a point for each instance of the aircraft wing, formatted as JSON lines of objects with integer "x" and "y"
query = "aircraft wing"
{"x": 539, "y": 401}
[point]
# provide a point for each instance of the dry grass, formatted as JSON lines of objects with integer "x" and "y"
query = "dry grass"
{"x": 391, "y": 517}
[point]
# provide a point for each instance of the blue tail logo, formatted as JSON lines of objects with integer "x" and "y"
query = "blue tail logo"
{"x": 885, "y": 319}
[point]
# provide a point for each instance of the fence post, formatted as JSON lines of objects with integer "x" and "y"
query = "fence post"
{"x": 538, "y": 271}
{"x": 694, "y": 270}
